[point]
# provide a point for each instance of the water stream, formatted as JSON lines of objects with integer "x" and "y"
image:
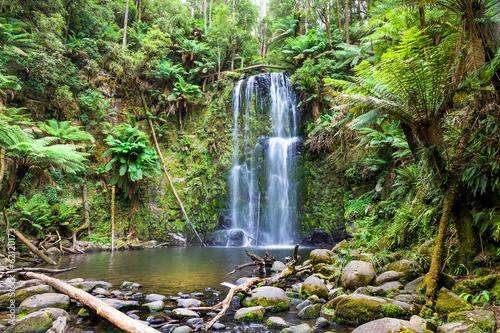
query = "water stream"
{"x": 263, "y": 182}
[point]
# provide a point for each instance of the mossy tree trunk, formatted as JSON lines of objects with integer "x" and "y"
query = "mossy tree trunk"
{"x": 468, "y": 245}
{"x": 437, "y": 256}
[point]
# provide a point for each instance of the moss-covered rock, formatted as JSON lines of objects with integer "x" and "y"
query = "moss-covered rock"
{"x": 482, "y": 320}
{"x": 37, "y": 322}
{"x": 21, "y": 294}
{"x": 321, "y": 256}
{"x": 330, "y": 271}
{"x": 383, "y": 244}
{"x": 409, "y": 268}
{"x": 313, "y": 285}
{"x": 343, "y": 245}
{"x": 254, "y": 313}
{"x": 490, "y": 282}
{"x": 358, "y": 309}
{"x": 268, "y": 297}
{"x": 276, "y": 322}
{"x": 48, "y": 300}
{"x": 310, "y": 311}
{"x": 357, "y": 274}
{"x": 448, "y": 302}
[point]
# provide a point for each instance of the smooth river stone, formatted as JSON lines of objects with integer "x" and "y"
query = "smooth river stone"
{"x": 49, "y": 300}
{"x": 183, "y": 313}
{"x": 189, "y": 302}
{"x": 121, "y": 304}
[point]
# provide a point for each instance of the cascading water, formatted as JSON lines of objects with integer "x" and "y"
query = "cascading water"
{"x": 263, "y": 181}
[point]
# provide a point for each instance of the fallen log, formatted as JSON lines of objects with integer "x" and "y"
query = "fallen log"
{"x": 33, "y": 248}
{"x": 35, "y": 269}
{"x": 248, "y": 284}
{"x": 117, "y": 318}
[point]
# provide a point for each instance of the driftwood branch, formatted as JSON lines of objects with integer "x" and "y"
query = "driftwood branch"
{"x": 35, "y": 269}
{"x": 117, "y": 318}
{"x": 261, "y": 263}
{"x": 248, "y": 284}
{"x": 80, "y": 228}
{"x": 33, "y": 248}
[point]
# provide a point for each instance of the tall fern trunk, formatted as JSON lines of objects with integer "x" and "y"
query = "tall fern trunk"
{"x": 346, "y": 13}
{"x": 437, "y": 256}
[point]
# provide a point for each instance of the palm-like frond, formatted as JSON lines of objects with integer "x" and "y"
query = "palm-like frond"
{"x": 64, "y": 131}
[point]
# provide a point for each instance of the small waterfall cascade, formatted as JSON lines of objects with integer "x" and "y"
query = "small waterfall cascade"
{"x": 263, "y": 181}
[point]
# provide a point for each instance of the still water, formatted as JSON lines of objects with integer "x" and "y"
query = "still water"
{"x": 170, "y": 271}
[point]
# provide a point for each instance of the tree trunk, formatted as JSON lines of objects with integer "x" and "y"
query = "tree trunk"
{"x": 3, "y": 161}
{"x": 421, "y": 13}
{"x": 80, "y": 228}
{"x": 210, "y": 14}
{"x": 299, "y": 8}
{"x": 33, "y": 248}
{"x": 139, "y": 10}
{"x": 232, "y": 59}
{"x": 165, "y": 169}
{"x": 234, "y": 9}
{"x": 125, "y": 23}
{"x": 437, "y": 256}
{"x": 67, "y": 24}
{"x": 328, "y": 29}
{"x": 338, "y": 15}
{"x": 468, "y": 237}
{"x": 7, "y": 228}
{"x": 205, "y": 14}
{"x": 117, "y": 318}
{"x": 315, "y": 109}
{"x": 112, "y": 218}
{"x": 346, "y": 13}
{"x": 86, "y": 214}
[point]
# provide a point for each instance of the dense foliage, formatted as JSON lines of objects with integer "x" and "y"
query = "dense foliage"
{"x": 399, "y": 105}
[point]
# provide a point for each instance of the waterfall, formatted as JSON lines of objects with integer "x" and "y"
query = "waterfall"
{"x": 263, "y": 182}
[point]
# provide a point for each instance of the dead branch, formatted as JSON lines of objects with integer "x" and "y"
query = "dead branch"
{"x": 261, "y": 263}
{"x": 80, "y": 228}
{"x": 245, "y": 287}
{"x": 33, "y": 248}
{"x": 36, "y": 269}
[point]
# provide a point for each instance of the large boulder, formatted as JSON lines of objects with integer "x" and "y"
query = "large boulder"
{"x": 490, "y": 282}
{"x": 313, "y": 285}
{"x": 482, "y": 320}
{"x": 49, "y": 300}
{"x": 409, "y": 268}
{"x": 37, "y": 322}
{"x": 318, "y": 238}
{"x": 320, "y": 256}
{"x": 268, "y": 297}
{"x": 254, "y": 313}
{"x": 358, "y": 309}
{"x": 357, "y": 274}
{"x": 388, "y": 325}
{"x": 448, "y": 302}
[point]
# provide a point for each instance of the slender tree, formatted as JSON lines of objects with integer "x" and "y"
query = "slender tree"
{"x": 125, "y": 23}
